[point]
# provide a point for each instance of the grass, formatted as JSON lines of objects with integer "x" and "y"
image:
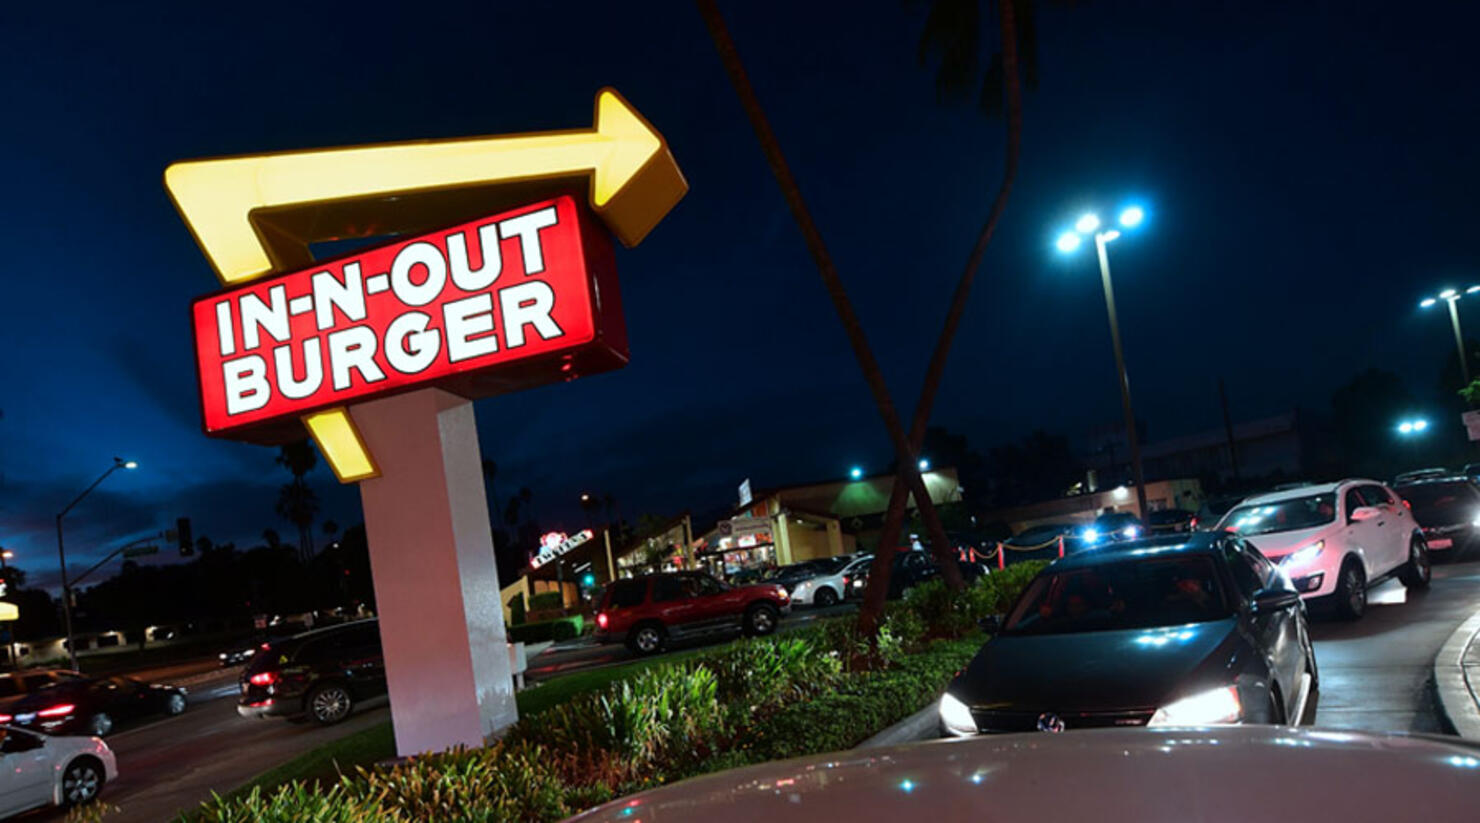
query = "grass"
{"x": 378, "y": 742}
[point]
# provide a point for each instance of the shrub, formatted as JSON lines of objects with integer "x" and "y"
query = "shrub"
{"x": 546, "y": 600}
{"x": 996, "y": 593}
{"x": 516, "y": 609}
{"x": 563, "y": 628}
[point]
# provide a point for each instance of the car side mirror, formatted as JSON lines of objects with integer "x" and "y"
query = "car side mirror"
{"x": 991, "y": 624}
{"x": 1363, "y": 513}
{"x": 1272, "y": 600}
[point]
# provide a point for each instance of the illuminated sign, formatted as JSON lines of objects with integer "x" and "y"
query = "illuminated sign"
{"x": 555, "y": 544}
{"x": 516, "y": 299}
{"x": 256, "y": 216}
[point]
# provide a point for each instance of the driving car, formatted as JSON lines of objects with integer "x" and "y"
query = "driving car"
{"x": 649, "y": 611}
{"x": 93, "y": 705}
{"x": 38, "y": 770}
{"x": 1335, "y": 540}
{"x": 16, "y": 686}
{"x": 1447, "y": 509}
{"x": 242, "y": 651}
{"x": 1213, "y": 509}
{"x": 322, "y": 675}
{"x": 1112, "y": 527}
{"x": 829, "y": 582}
{"x": 1211, "y": 775}
{"x": 1172, "y": 631}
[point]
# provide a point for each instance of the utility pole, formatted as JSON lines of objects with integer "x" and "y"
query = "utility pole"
{"x": 1228, "y": 428}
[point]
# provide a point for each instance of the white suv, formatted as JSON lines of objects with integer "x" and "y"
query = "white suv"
{"x": 1334, "y": 540}
{"x": 831, "y": 584}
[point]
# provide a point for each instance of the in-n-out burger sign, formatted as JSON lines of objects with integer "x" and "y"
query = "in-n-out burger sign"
{"x": 512, "y": 300}
{"x": 555, "y": 544}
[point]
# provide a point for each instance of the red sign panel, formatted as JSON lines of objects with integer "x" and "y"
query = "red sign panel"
{"x": 498, "y": 304}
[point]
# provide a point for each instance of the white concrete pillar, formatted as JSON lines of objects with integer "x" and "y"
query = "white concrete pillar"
{"x": 436, "y": 585}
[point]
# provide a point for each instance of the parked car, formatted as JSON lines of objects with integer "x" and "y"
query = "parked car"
{"x": 1112, "y": 527}
{"x": 1041, "y": 541}
{"x": 1212, "y": 510}
{"x": 1174, "y": 631}
{"x": 1169, "y": 521}
{"x": 649, "y": 611}
{"x": 1212, "y": 775}
{"x": 829, "y": 583}
{"x": 321, "y": 674}
{"x": 38, "y": 770}
{"x": 1446, "y": 508}
{"x": 93, "y": 705}
{"x": 911, "y": 568}
{"x": 17, "y": 686}
{"x": 1335, "y": 540}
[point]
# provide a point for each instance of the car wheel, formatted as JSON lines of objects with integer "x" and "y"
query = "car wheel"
{"x": 761, "y": 619}
{"x": 646, "y": 639}
{"x": 1276, "y": 708}
{"x": 99, "y": 725}
{"x": 174, "y": 704}
{"x": 825, "y": 597}
{"x": 1419, "y": 571}
{"x": 1351, "y": 591}
{"x": 81, "y": 781}
{"x": 1308, "y": 717}
{"x": 329, "y": 703}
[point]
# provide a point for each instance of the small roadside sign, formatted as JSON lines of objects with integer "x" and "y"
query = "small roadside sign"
{"x": 1472, "y": 423}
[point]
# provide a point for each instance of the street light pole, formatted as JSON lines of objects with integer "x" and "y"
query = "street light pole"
{"x": 1459, "y": 338}
{"x": 118, "y": 463}
{"x": 1101, "y": 238}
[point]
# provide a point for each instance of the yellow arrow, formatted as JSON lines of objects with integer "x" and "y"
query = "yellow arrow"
{"x": 634, "y": 181}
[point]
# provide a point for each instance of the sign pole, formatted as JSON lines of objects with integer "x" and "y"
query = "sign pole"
{"x": 436, "y": 584}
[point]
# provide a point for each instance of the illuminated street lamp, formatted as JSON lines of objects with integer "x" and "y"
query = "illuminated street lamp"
{"x": 1409, "y": 428}
{"x": 1089, "y": 225}
{"x": 855, "y": 473}
{"x": 1452, "y": 296}
{"x": 924, "y": 465}
{"x": 118, "y": 463}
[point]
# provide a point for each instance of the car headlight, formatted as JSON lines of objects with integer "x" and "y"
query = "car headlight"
{"x": 1304, "y": 555}
{"x": 1091, "y": 535}
{"x": 956, "y": 716}
{"x": 1214, "y": 706}
{"x": 804, "y": 586}
{"x": 1130, "y": 532}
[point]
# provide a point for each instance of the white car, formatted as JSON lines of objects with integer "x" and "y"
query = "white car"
{"x": 1227, "y": 774}
{"x": 40, "y": 770}
{"x": 832, "y": 584}
{"x": 1334, "y": 540}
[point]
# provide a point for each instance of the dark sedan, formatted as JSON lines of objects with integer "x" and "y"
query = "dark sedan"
{"x": 1188, "y": 631}
{"x": 1446, "y": 508}
{"x": 93, "y": 705}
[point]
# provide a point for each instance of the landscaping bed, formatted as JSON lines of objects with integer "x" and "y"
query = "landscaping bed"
{"x": 813, "y": 690}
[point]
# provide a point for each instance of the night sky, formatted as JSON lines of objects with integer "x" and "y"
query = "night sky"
{"x": 1307, "y": 169}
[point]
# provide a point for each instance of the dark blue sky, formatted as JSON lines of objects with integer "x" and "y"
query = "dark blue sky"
{"x": 1308, "y": 173}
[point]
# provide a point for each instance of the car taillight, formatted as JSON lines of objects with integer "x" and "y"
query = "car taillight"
{"x": 263, "y": 678}
{"x": 57, "y": 711}
{"x": 1192, "y": 524}
{"x": 847, "y": 581}
{"x": 5, "y": 718}
{"x": 601, "y": 619}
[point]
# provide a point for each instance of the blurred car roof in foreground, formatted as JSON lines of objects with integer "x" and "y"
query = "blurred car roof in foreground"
{"x": 1234, "y": 773}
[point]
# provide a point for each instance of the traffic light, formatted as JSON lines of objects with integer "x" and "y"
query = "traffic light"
{"x": 588, "y": 580}
{"x": 182, "y": 531}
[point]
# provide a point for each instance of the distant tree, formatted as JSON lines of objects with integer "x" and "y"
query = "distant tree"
{"x": 272, "y": 539}
{"x": 1364, "y": 413}
{"x": 490, "y": 479}
{"x": 296, "y": 502}
{"x": 1041, "y": 466}
{"x": 330, "y": 528}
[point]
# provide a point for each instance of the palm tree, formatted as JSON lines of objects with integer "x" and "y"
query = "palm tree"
{"x": 297, "y": 503}
{"x": 945, "y": 16}
{"x": 490, "y": 478}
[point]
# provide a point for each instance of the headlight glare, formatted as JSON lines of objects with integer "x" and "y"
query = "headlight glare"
{"x": 955, "y": 716}
{"x": 1212, "y": 707}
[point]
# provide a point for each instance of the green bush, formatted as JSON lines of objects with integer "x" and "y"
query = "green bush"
{"x": 516, "y": 609}
{"x": 563, "y": 628}
{"x": 546, "y": 600}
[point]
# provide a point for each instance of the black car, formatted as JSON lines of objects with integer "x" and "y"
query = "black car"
{"x": 322, "y": 674}
{"x": 911, "y": 568}
{"x": 1112, "y": 527}
{"x": 1446, "y": 508}
{"x": 1188, "y": 631}
{"x": 17, "y": 686}
{"x": 1169, "y": 521}
{"x": 93, "y": 705}
{"x": 243, "y": 651}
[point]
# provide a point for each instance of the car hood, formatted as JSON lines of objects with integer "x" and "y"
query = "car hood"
{"x": 1278, "y": 544}
{"x": 1099, "y": 671}
{"x": 1216, "y": 775}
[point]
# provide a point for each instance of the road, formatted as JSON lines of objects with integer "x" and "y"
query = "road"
{"x": 1375, "y": 673}
{"x": 587, "y": 655}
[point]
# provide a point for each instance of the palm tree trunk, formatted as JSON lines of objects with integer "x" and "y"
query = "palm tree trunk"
{"x": 831, "y": 280}
{"x": 875, "y": 595}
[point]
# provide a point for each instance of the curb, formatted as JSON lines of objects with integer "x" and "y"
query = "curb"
{"x": 1457, "y": 699}
{"x": 922, "y": 725}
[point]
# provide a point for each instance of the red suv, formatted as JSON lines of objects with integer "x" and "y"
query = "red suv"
{"x": 645, "y": 612}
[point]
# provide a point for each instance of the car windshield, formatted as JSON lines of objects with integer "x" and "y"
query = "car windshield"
{"x": 1282, "y": 515}
{"x": 1165, "y": 516}
{"x": 1440, "y": 500}
{"x": 1131, "y": 594}
{"x": 1113, "y": 521}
